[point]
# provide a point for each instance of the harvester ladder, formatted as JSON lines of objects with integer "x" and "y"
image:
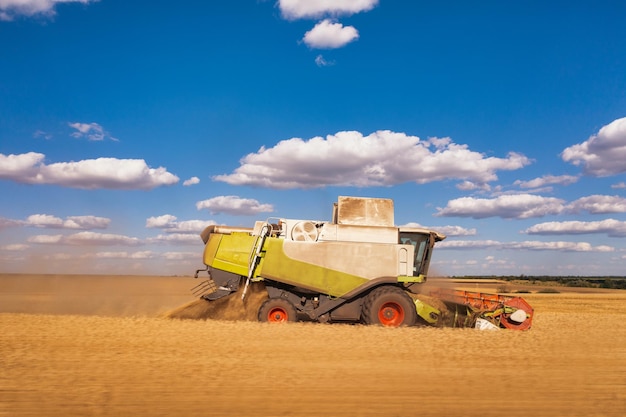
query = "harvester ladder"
{"x": 255, "y": 254}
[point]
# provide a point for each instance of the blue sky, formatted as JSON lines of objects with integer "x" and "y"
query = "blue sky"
{"x": 126, "y": 127}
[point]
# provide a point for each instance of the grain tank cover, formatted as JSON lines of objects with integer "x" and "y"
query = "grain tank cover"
{"x": 363, "y": 211}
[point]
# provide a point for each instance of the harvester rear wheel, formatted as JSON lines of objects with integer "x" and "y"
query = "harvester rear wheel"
{"x": 389, "y": 306}
{"x": 277, "y": 310}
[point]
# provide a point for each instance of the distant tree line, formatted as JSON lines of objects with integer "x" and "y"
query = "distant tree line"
{"x": 567, "y": 281}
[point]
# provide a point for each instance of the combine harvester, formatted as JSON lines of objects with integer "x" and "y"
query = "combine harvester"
{"x": 359, "y": 267}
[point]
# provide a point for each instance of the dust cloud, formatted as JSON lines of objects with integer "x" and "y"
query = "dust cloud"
{"x": 231, "y": 307}
{"x": 99, "y": 295}
{"x": 151, "y": 296}
{"x": 122, "y": 296}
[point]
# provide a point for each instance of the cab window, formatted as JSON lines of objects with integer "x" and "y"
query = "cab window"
{"x": 419, "y": 241}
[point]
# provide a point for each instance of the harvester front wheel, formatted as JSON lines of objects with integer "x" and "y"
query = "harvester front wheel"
{"x": 389, "y": 306}
{"x": 277, "y": 310}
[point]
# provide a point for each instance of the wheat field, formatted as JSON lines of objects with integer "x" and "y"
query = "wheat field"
{"x": 108, "y": 346}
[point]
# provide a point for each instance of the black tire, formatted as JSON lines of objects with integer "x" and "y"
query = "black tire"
{"x": 389, "y": 306}
{"x": 277, "y": 310}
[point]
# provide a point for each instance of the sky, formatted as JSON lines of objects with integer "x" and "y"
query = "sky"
{"x": 128, "y": 127}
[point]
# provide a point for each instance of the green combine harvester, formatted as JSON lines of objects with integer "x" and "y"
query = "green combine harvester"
{"x": 359, "y": 267}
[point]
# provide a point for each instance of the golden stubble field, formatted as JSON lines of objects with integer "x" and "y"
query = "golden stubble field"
{"x": 103, "y": 346}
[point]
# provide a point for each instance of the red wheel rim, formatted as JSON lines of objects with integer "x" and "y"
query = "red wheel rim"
{"x": 277, "y": 315}
{"x": 391, "y": 314}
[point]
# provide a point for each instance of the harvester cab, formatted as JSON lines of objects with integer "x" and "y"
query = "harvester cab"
{"x": 358, "y": 267}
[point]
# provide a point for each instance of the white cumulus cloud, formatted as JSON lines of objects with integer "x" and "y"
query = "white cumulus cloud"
{"x": 520, "y": 206}
{"x": 379, "y": 159}
{"x": 9, "y": 9}
{"x": 320, "y": 61}
{"x": 599, "y": 204}
{"x": 15, "y": 247}
{"x": 45, "y": 239}
{"x": 329, "y": 35}
{"x": 121, "y": 255}
{"x": 306, "y": 9}
{"x": 471, "y": 186}
{"x": 604, "y": 153}
{"x": 24, "y": 166}
{"x": 86, "y": 239}
{"x": 191, "y": 181}
{"x": 71, "y": 222}
{"x": 470, "y": 244}
{"x": 176, "y": 238}
{"x": 100, "y": 239}
{"x": 559, "y": 246}
{"x": 523, "y": 206}
{"x": 179, "y": 256}
{"x": 547, "y": 180}
{"x": 91, "y": 131}
{"x": 611, "y": 227}
{"x": 110, "y": 173}
{"x": 446, "y": 230}
{"x": 6, "y": 223}
{"x": 170, "y": 224}
{"x": 160, "y": 222}
{"x": 231, "y": 204}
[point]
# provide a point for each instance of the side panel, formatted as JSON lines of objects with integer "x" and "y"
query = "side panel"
{"x": 229, "y": 252}
{"x": 279, "y": 266}
{"x": 210, "y": 249}
{"x": 356, "y": 233}
{"x": 367, "y": 260}
{"x": 350, "y": 311}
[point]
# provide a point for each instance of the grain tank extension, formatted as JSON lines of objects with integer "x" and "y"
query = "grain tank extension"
{"x": 358, "y": 267}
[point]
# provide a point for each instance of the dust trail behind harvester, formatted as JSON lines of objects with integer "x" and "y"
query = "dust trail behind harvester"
{"x": 227, "y": 308}
{"x": 234, "y": 309}
{"x": 447, "y": 314}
